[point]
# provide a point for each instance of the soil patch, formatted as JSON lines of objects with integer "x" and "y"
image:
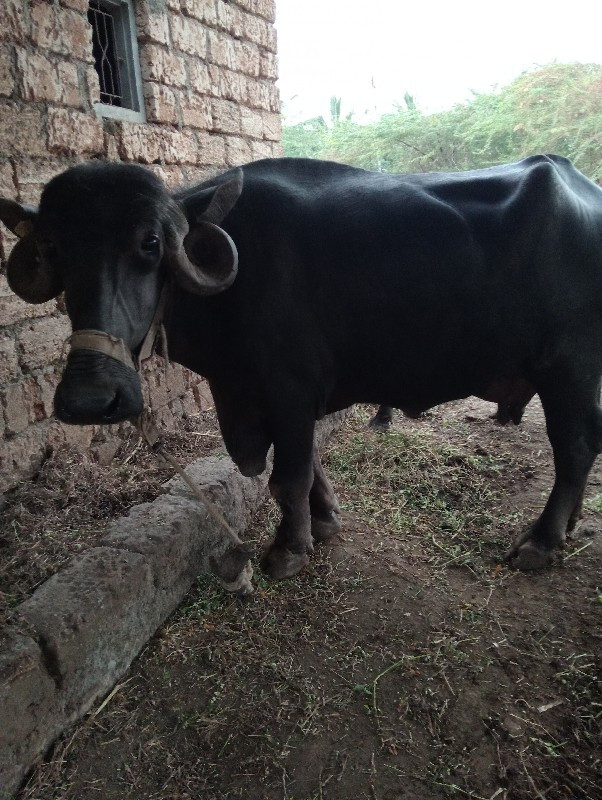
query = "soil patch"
{"x": 405, "y": 663}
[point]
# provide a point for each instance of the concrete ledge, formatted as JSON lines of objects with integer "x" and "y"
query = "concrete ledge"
{"x": 79, "y": 632}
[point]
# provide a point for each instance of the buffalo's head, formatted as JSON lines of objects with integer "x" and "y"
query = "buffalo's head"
{"x": 109, "y": 235}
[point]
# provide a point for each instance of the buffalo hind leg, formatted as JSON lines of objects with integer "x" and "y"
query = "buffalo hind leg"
{"x": 290, "y": 484}
{"x": 383, "y": 419}
{"x": 324, "y": 508}
{"x": 574, "y": 425}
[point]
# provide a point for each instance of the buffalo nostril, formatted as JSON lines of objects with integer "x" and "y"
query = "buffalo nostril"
{"x": 111, "y": 410}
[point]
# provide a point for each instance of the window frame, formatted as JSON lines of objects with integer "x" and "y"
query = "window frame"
{"x": 126, "y": 52}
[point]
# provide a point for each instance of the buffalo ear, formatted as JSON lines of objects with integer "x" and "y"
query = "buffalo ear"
{"x": 31, "y": 279}
{"x": 208, "y": 261}
{"x": 18, "y": 218}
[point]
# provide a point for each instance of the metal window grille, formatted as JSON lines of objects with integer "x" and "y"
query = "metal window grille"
{"x": 115, "y": 53}
{"x": 106, "y": 60}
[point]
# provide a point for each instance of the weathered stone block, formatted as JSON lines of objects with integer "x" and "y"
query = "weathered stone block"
{"x": 200, "y": 79}
{"x": 13, "y": 309}
{"x": 27, "y": 701}
{"x": 31, "y": 140}
{"x": 7, "y": 181}
{"x": 189, "y": 36}
{"x": 272, "y": 126}
{"x": 93, "y": 617}
{"x": 161, "y": 104}
{"x": 162, "y": 65}
{"x": 221, "y": 49}
{"x": 196, "y": 111}
{"x": 14, "y": 26}
{"x": 268, "y": 66}
{"x": 7, "y": 80}
{"x": 138, "y": 142}
{"x": 41, "y": 341}
{"x": 203, "y": 10}
{"x": 211, "y": 149}
{"x": 9, "y": 364}
{"x": 61, "y": 30}
{"x": 238, "y": 151}
{"x": 73, "y": 132}
{"x": 226, "y": 116}
{"x": 246, "y": 58}
{"x": 261, "y": 149}
{"x": 251, "y": 123}
{"x": 21, "y": 456}
{"x": 16, "y": 412}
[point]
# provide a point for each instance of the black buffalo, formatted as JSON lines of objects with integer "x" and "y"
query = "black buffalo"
{"x": 299, "y": 287}
{"x": 511, "y": 409}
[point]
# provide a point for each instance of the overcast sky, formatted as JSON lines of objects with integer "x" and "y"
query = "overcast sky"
{"x": 370, "y": 53}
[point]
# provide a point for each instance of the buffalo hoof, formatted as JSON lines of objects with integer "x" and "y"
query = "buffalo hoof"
{"x": 529, "y": 556}
{"x": 379, "y": 424}
{"x": 278, "y": 562}
{"x": 324, "y": 528}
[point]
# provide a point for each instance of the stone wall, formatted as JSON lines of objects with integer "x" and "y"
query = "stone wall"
{"x": 208, "y": 69}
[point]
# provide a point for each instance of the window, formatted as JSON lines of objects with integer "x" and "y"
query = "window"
{"x": 116, "y": 61}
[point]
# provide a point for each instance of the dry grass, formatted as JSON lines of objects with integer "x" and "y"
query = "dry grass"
{"x": 403, "y": 663}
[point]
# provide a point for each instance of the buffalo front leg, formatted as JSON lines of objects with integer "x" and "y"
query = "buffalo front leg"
{"x": 324, "y": 508}
{"x": 290, "y": 484}
{"x": 574, "y": 424}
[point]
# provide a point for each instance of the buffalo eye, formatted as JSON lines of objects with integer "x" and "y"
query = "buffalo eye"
{"x": 151, "y": 244}
{"x": 47, "y": 249}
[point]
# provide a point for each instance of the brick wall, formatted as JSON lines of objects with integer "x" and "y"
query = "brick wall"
{"x": 209, "y": 70}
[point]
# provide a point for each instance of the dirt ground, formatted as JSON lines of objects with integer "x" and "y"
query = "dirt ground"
{"x": 406, "y": 663}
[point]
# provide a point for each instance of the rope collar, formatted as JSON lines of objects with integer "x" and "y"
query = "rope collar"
{"x": 114, "y": 347}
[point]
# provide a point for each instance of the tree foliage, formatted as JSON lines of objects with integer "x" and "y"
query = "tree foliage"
{"x": 554, "y": 109}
